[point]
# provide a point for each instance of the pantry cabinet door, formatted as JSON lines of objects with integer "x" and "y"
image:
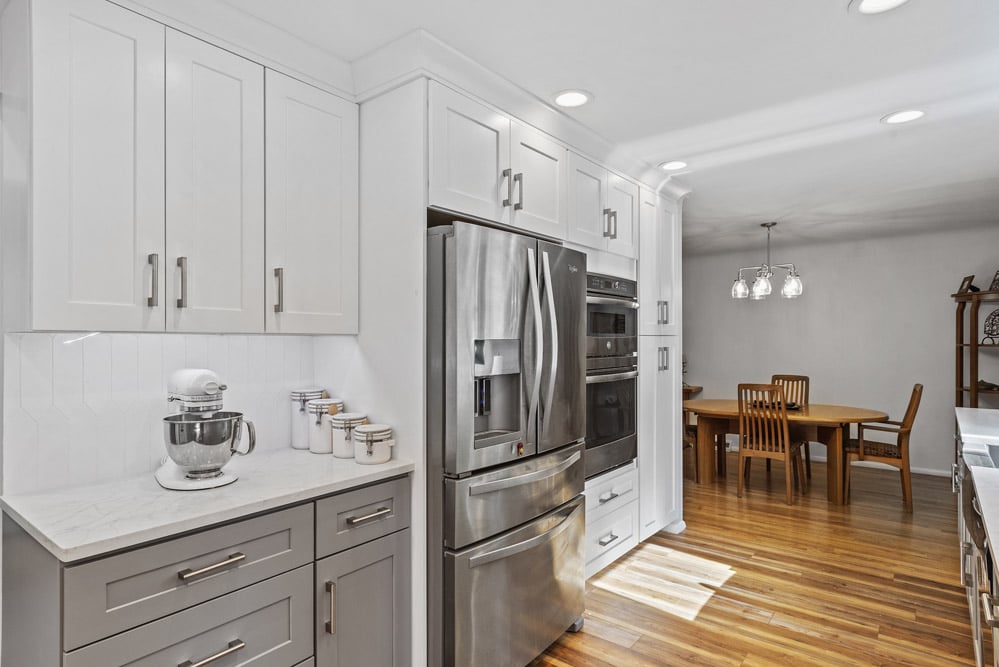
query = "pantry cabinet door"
{"x": 588, "y": 221}
{"x": 650, "y": 314}
{"x": 214, "y": 188}
{"x": 540, "y": 168}
{"x": 622, "y": 199}
{"x": 312, "y": 226}
{"x": 668, "y": 278}
{"x": 97, "y": 247}
{"x": 470, "y": 169}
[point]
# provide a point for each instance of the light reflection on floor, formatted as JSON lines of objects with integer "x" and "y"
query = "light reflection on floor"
{"x": 670, "y": 581}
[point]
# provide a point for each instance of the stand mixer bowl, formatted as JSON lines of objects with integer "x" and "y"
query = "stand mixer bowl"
{"x": 200, "y": 446}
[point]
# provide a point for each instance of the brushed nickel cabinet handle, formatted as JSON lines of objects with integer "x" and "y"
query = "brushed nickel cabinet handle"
{"x": 613, "y": 217}
{"x": 279, "y": 274}
{"x": 381, "y": 511}
{"x": 665, "y": 312}
{"x": 331, "y": 624}
{"x": 182, "y": 263}
{"x": 665, "y": 358}
{"x": 607, "y": 218}
{"x": 154, "y": 261}
{"x": 234, "y": 645}
{"x": 607, "y": 497}
{"x": 188, "y": 574}
{"x": 508, "y": 175}
{"x": 519, "y": 180}
{"x": 604, "y": 541}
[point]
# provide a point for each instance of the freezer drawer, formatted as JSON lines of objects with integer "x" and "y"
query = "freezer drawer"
{"x": 492, "y": 502}
{"x": 507, "y": 600}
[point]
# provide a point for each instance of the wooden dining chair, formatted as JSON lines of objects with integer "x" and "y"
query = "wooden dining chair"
{"x": 763, "y": 433}
{"x": 894, "y": 453}
{"x": 796, "y": 391}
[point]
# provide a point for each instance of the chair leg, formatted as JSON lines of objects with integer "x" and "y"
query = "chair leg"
{"x": 808, "y": 459}
{"x": 805, "y": 481}
{"x": 906, "y": 487}
{"x": 769, "y": 461}
{"x": 721, "y": 446}
{"x": 788, "y": 484}
{"x": 742, "y": 468}
{"x": 846, "y": 479}
{"x": 697, "y": 468}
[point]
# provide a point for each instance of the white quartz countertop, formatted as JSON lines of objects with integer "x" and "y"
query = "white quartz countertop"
{"x": 86, "y": 521}
{"x": 977, "y": 426}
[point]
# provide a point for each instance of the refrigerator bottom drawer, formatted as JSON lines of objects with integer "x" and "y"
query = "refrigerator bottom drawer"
{"x": 507, "y": 600}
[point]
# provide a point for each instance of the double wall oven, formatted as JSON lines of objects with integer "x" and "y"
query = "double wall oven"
{"x": 611, "y": 372}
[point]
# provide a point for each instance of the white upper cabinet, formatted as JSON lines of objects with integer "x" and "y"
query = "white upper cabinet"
{"x": 603, "y": 208}
{"x": 214, "y": 188}
{"x": 97, "y": 182}
{"x": 312, "y": 216}
{"x": 659, "y": 265}
{"x": 540, "y": 172}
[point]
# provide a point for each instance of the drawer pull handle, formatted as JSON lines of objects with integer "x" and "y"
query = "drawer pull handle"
{"x": 381, "y": 511}
{"x": 604, "y": 541}
{"x": 988, "y": 607}
{"x": 331, "y": 624}
{"x": 234, "y": 645}
{"x": 607, "y": 497}
{"x": 188, "y": 574}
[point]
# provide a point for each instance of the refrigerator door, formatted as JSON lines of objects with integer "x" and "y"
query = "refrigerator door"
{"x": 490, "y": 353}
{"x": 563, "y": 377}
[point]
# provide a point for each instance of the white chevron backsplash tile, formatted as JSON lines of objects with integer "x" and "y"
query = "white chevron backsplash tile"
{"x": 87, "y": 408}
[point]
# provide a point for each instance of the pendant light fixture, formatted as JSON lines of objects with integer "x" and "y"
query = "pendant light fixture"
{"x": 761, "y": 287}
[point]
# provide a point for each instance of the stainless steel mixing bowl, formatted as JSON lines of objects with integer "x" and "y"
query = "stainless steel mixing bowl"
{"x": 201, "y": 446}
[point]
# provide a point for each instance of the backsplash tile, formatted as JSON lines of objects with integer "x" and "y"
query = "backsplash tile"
{"x": 88, "y": 408}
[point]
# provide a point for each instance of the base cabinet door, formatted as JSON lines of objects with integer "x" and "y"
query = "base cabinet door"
{"x": 363, "y": 605}
{"x": 659, "y": 440}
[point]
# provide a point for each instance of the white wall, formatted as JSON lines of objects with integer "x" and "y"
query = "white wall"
{"x": 876, "y": 317}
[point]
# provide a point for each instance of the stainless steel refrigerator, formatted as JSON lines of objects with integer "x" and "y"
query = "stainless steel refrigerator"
{"x": 506, "y": 375}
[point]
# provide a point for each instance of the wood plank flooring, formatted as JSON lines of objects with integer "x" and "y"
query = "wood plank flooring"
{"x": 754, "y": 582}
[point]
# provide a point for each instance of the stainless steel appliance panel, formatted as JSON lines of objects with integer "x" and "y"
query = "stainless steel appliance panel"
{"x": 492, "y": 299}
{"x": 563, "y": 378}
{"x": 507, "y": 600}
{"x": 484, "y": 505}
{"x": 611, "y": 415}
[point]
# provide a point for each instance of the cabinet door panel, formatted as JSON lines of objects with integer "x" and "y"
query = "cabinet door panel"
{"x": 587, "y": 200}
{"x": 215, "y": 187}
{"x": 649, "y": 265}
{"x": 312, "y": 223}
{"x": 469, "y": 150}
{"x": 668, "y": 278}
{"x": 658, "y": 435}
{"x": 622, "y": 198}
{"x": 542, "y": 191}
{"x": 98, "y": 167}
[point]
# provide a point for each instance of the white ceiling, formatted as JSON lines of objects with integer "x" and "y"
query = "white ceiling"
{"x": 774, "y": 104}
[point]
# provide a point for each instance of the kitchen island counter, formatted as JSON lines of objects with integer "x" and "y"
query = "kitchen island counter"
{"x": 86, "y": 521}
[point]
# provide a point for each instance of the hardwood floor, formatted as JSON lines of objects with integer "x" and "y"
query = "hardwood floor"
{"x": 755, "y": 582}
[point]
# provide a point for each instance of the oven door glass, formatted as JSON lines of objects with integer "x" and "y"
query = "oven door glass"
{"x": 611, "y": 413}
{"x": 610, "y": 317}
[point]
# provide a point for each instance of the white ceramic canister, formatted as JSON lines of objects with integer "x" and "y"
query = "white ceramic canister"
{"x": 320, "y": 436}
{"x": 373, "y": 443}
{"x": 343, "y": 425}
{"x": 299, "y": 415}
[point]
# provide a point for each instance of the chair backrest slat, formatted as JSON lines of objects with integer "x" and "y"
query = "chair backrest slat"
{"x": 763, "y": 418}
{"x": 795, "y": 387}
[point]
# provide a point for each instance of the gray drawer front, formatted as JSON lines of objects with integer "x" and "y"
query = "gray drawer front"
{"x": 339, "y": 519}
{"x": 113, "y": 594}
{"x": 273, "y": 619}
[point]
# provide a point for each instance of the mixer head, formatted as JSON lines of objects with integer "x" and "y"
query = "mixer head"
{"x": 196, "y": 390}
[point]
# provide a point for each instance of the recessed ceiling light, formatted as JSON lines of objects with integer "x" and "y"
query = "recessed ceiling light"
{"x": 673, "y": 165}
{"x": 878, "y": 6}
{"x": 572, "y": 98}
{"x": 902, "y": 117}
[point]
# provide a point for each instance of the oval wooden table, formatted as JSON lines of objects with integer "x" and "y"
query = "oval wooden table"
{"x": 721, "y": 416}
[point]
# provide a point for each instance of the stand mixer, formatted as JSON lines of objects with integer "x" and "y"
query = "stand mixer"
{"x": 200, "y": 438}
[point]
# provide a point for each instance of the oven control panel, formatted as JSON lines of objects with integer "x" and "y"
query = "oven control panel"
{"x": 597, "y": 283}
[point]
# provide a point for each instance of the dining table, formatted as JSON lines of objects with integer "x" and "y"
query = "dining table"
{"x": 831, "y": 425}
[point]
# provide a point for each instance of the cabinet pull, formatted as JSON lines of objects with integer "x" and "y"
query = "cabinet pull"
{"x": 607, "y": 214}
{"x": 604, "y": 541}
{"x": 331, "y": 624}
{"x": 613, "y": 217}
{"x": 665, "y": 312}
{"x": 659, "y": 307}
{"x": 665, "y": 358}
{"x": 508, "y": 175}
{"x": 607, "y": 497}
{"x": 234, "y": 645}
{"x": 381, "y": 511}
{"x": 182, "y": 263}
{"x": 188, "y": 574}
{"x": 519, "y": 180}
{"x": 279, "y": 274}
{"x": 154, "y": 261}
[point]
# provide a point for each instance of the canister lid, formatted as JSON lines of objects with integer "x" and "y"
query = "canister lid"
{"x": 348, "y": 419}
{"x": 321, "y": 405}
{"x": 373, "y": 432}
{"x": 307, "y": 393}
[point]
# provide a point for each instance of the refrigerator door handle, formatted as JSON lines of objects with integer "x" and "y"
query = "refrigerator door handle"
{"x": 553, "y": 371}
{"x": 520, "y": 547}
{"x": 532, "y": 276}
{"x": 527, "y": 478}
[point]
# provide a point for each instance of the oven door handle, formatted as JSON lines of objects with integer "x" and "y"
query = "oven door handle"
{"x": 553, "y": 371}
{"x": 532, "y": 277}
{"x": 611, "y": 301}
{"x": 611, "y": 377}
{"x": 521, "y": 480}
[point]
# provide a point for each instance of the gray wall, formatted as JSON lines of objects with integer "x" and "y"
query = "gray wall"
{"x": 876, "y": 317}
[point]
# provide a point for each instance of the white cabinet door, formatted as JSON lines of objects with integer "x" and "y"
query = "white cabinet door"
{"x": 312, "y": 226}
{"x": 540, "y": 171}
{"x": 588, "y": 216}
{"x": 650, "y": 313}
{"x": 667, "y": 246}
{"x": 98, "y": 259}
{"x": 622, "y": 200}
{"x": 658, "y": 435}
{"x": 214, "y": 188}
{"x": 469, "y": 157}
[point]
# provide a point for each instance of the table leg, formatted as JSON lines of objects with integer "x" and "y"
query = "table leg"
{"x": 707, "y": 429}
{"x": 832, "y": 438}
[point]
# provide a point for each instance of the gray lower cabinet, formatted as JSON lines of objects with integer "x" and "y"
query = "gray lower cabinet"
{"x": 363, "y": 605}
